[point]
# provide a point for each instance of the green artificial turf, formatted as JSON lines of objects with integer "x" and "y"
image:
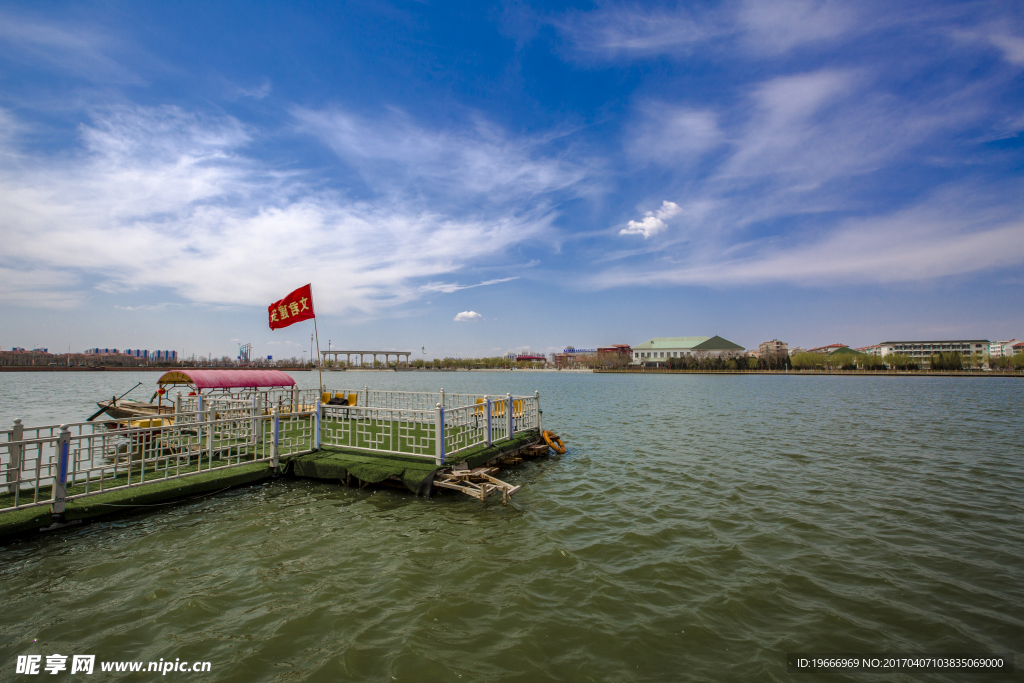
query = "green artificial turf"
{"x": 134, "y": 498}
{"x": 416, "y": 473}
{"x": 329, "y": 462}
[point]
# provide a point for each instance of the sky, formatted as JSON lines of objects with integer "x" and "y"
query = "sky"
{"x": 466, "y": 179}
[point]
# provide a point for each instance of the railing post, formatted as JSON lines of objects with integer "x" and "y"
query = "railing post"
{"x": 257, "y": 423}
{"x": 511, "y": 424}
{"x": 316, "y": 427}
{"x": 536, "y": 410}
{"x": 487, "y": 401}
{"x": 211, "y": 415}
{"x": 295, "y": 399}
{"x": 439, "y": 434}
{"x": 15, "y": 451}
{"x": 441, "y": 399}
{"x": 60, "y": 484}
{"x": 276, "y": 424}
{"x": 177, "y": 408}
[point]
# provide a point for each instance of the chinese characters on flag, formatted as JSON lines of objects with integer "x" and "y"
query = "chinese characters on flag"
{"x": 295, "y": 307}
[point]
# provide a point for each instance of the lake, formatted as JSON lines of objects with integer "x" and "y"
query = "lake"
{"x": 699, "y": 528}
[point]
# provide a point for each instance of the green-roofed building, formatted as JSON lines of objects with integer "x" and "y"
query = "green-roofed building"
{"x": 660, "y": 349}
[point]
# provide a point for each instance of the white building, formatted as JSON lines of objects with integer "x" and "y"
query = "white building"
{"x": 924, "y": 349}
{"x": 660, "y": 349}
{"x": 998, "y": 349}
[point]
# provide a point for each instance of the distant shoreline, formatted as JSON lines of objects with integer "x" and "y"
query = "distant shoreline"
{"x": 817, "y": 373}
{"x": 793, "y": 373}
{"x": 118, "y": 368}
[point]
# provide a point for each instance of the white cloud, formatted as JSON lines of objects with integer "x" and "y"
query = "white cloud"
{"x": 448, "y": 288}
{"x": 162, "y": 198}
{"x": 653, "y": 222}
{"x": 468, "y": 317}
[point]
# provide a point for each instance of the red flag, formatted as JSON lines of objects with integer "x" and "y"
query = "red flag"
{"x": 295, "y": 307}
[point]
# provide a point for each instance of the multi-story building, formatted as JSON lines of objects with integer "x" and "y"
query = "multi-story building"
{"x": 797, "y": 349}
{"x": 615, "y": 351}
{"x": 164, "y": 356}
{"x": 924, "y": 349}
{"x": 999, "y": 349}
{"x": 137, "y": 353}
{"x": 773, "y": 346}
{"x": 660, "y": 349}
{"x": 875, "y": 350}
{"x": 572, "y": 357}
{"x": 828, "y": 348}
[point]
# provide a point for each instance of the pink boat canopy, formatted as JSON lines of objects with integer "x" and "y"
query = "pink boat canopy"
{"x": 227, "y": 379}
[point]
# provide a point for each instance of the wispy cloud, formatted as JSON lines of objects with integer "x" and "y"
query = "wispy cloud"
{"x": 83, "y": 51}
{"x": 632, "y": 30}
{"x": 257, "y": 92}
{"x": 159, "y": 197}
{"x": 1012, "y": 46}
{"x": 478, "y": 160}
{"x": 952, "y": 233}
{"x": 448, "y": 288}
{"x": 673, "y": 135}
{"x": 781, "y": 25}
{"x": 638, "y": 30}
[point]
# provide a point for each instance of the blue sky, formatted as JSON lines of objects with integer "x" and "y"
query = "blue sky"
{"x": 581, "y": 174}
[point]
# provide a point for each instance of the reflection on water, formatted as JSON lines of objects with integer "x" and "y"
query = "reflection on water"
{"x": 699, "y": 528}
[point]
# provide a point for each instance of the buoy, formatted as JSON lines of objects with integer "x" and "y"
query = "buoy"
{"x": 555, "y": 442}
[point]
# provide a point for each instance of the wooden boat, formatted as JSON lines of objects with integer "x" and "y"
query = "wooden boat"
{"x": 198, "y": 382}
{"x": 130, "y": 410}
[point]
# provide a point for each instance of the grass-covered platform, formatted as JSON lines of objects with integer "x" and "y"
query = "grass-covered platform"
{"x": 31, "y": 519}
{"x": 417, "y": 474}
{"x": 338, "y": 464}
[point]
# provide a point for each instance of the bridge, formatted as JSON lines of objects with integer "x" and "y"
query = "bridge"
{"x": 362, "y": 355}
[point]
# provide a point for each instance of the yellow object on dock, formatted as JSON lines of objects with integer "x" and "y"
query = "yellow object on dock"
{"x": 151, "y": 423}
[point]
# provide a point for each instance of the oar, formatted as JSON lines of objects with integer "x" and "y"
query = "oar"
{"x": 102, "y": 410}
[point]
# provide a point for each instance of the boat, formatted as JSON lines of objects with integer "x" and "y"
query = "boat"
{"x": 199, "y": 382}
{"x": 121, "y": 409}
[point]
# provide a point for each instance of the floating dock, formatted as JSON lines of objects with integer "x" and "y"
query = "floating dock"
{"x": 425, "y": 443}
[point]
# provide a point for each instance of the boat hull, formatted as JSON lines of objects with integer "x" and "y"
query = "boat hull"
{"x": 129, "y": 410}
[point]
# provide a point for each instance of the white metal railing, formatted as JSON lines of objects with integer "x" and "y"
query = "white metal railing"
{"x": 437, "y": 433}
{"x": 382, "y": 430}
{"x": 51, "y": 464}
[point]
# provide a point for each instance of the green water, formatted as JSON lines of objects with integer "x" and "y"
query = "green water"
{"x": 698, "y": 529}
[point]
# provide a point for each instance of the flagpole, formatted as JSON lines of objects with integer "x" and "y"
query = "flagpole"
{"x": 316, "y": 333}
